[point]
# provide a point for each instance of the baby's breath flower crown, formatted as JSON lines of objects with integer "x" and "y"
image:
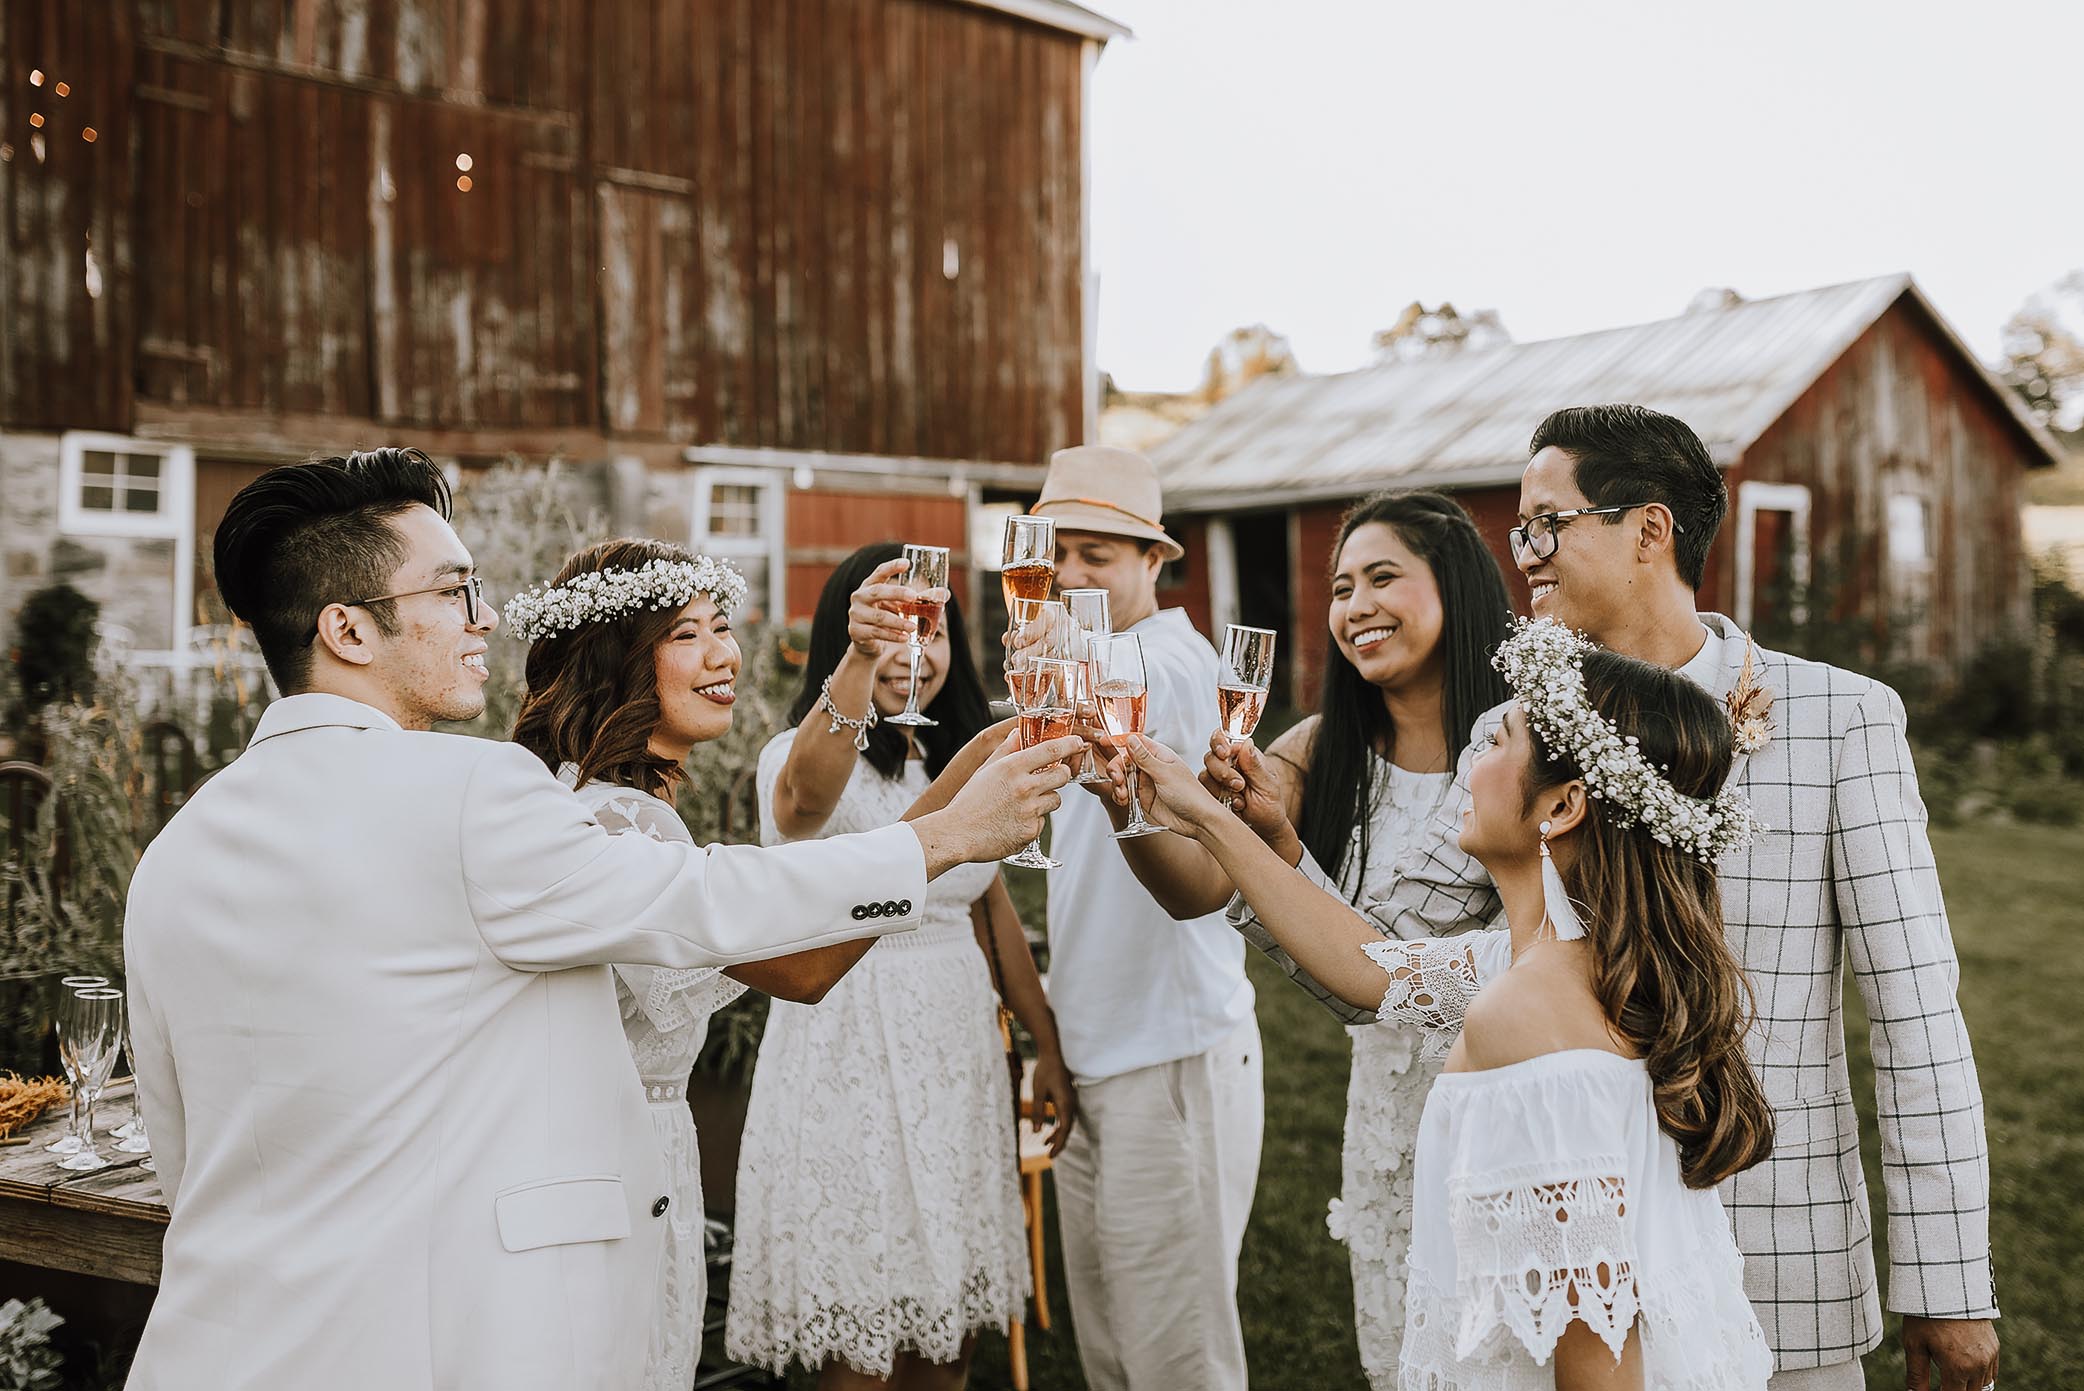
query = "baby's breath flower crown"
{"x": 546, "y": 610}
{"x": 1543, "y": 661}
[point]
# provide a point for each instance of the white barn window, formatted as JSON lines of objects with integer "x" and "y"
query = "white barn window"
{"x": 739, "y": 517}
{"x": 1910, "y": 531}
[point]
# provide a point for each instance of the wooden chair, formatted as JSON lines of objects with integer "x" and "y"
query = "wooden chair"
{"x": 1034, "y": 1158}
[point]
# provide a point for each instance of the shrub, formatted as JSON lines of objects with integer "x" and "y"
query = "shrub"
{"x": 55, "y": 640}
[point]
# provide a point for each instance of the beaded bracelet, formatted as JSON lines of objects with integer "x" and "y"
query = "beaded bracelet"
{"x": 861, "y": 727}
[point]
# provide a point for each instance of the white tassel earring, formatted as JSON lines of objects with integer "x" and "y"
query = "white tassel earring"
{"x": 1562, "y": 915}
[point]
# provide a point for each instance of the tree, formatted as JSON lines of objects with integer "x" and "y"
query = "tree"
{"x": 2044, "y": 355}
{"x": 1241, "y": 357}
{"x": 1420, "y": 333}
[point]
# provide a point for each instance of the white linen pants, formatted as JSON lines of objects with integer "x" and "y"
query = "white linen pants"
{"x": 1153, "y": 1194}
{"x": 1839, "y": 1376}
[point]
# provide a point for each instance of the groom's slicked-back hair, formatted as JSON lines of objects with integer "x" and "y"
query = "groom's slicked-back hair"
{"x": 1627, "y": 454}
{"x": 307, "y": 535}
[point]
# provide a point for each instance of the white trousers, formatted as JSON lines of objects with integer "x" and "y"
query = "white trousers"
{"x": 1153, "y": 1194}
{"x": 1839, "y": 1376}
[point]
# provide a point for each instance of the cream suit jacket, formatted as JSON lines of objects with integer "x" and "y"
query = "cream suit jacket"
{"x": 378, "y": 1050}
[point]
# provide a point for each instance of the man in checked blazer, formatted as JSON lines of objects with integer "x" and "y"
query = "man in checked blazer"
{"x": 1618, "y": 508}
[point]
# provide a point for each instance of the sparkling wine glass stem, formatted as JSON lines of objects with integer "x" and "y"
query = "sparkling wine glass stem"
{"x": 912, "y": 681}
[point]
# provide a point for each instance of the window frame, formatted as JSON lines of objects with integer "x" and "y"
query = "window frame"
{"x": 769, "y": 543}
{"x": 1753, "y": 498}
{"x": 174, "y": 521}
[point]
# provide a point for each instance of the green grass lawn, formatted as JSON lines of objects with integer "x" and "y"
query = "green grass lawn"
{"x": 2014, "y": 893}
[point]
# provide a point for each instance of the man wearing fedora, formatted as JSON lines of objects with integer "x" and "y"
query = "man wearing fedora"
{"x": 1155, "y": 1015}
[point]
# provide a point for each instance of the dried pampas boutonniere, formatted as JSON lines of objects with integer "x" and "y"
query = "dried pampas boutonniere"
{"x": 1750, "y": 705}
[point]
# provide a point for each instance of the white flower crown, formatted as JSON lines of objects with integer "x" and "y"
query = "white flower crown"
{"x": 545, "y": 610}
{"x": 1543, "y": 661}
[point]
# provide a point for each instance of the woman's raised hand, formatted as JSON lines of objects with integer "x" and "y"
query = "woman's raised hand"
{"x": 872, "y": 616}
{"x": 1242, "y": 778}
{"x": 1173, "y": 795}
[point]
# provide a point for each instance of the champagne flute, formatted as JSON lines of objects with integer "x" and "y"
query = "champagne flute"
{"x": 1086, "y": 611}
{"x": 926, "y": 569}
{"x": 1027, "y": 566}
{"x": 1122, "y": 692}
{"x": 70, "y": 1142}
{"x": 1048, "y": 711}
{"x": 130, "y": 1136}
{"x": 1027, "y": 559}
{"x": 1246, "y": 675}
{"x": 90, "y": 1033}
{"x": 1038, "y": 631}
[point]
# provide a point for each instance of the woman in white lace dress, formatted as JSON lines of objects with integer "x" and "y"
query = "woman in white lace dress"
{"x": 1567, "y": 1232}
{"x": 878, "y": 1221}
{"x": 620, "y": 688}
{"x": 1417, "y": 604}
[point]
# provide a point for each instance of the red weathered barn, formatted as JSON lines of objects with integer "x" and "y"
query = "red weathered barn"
{"x": 1874, "y": 466}
{"x": 787, "y": 275}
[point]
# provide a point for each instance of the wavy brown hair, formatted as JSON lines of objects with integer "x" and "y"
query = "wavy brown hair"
{"x": 1661, "y": 966}
{"x": 592, "y": 693}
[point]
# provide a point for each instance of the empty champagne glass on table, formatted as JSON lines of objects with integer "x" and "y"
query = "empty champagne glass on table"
{"x": 1246, "y": 675}
{"x": 1048, "y": 711}
{"x": 70, "y": 1142}
{"x": 1085, "y": 610}
{"x": 90, "y": 1035}
{"x": 130, "y": 1136}
{"x": 926, "y": 571}
{"x": 1122, "y": 692}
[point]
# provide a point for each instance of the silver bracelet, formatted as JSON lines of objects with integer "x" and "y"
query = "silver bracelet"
{"x": 861, "y": 727}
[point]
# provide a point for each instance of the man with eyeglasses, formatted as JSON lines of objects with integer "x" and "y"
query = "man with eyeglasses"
{"x": 374, "y": 1028}
{"x": 1618, "y": 508}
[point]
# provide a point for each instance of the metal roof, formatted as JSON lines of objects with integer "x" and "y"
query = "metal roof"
{"x": 1465, "y": 420}
{"x": 1059, "y": 14}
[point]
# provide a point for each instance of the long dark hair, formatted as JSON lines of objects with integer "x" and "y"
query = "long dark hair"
{"x": 961, "y": 705}
{"x": 1352, "y": 719}
{"x": 593, "y": 692}
{"x": 1661, "y": 965}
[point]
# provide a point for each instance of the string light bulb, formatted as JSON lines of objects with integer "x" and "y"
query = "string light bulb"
{"x": 463, "y": 183}
{"x": 36, "y": 77}
{"x": 463, "y": 164}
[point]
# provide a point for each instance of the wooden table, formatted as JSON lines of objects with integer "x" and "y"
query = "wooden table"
{"x": 108, "y": 1223}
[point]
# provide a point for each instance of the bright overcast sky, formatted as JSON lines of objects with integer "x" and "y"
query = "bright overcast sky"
{"x": 1317, "y": 164}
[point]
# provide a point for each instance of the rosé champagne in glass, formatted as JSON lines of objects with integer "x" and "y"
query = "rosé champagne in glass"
{"x": 1047, "y": 713}
{"x": 1244, "y": 678}
{"x": 926, "y": 575}
{"x": 1027, "y": 559}
{"x": 1121, "y": 691}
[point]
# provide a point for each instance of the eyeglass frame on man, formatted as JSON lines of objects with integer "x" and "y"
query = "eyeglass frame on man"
{"x": 1520, "y": 538}
{"x": 473, "y": 587}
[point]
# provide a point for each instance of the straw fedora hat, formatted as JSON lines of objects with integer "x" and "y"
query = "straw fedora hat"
{"x": 1096, "y": 487}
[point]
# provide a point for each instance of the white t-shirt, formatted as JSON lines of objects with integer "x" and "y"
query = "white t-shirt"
{"x": 1131, "y": 987}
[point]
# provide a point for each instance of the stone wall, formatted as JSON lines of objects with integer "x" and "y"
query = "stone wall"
{"x": 132, "y": 578}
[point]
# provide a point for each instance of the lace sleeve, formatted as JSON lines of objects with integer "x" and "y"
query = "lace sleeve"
{"x": 670, "y": 999}
{"x": 1432, "y": 979}
{"x": 1538, "y": 1250}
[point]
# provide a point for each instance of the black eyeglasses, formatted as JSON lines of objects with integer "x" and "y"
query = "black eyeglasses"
{"x": 1536, "y": 537}
{"x": 471, "y": 588}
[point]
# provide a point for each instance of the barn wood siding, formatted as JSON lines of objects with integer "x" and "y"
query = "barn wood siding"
{"x": 66, "y": 331}
{"x": 824, "y": 526}
{"x": 688, "y": 221}
{"x": 1901, "y": 412}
